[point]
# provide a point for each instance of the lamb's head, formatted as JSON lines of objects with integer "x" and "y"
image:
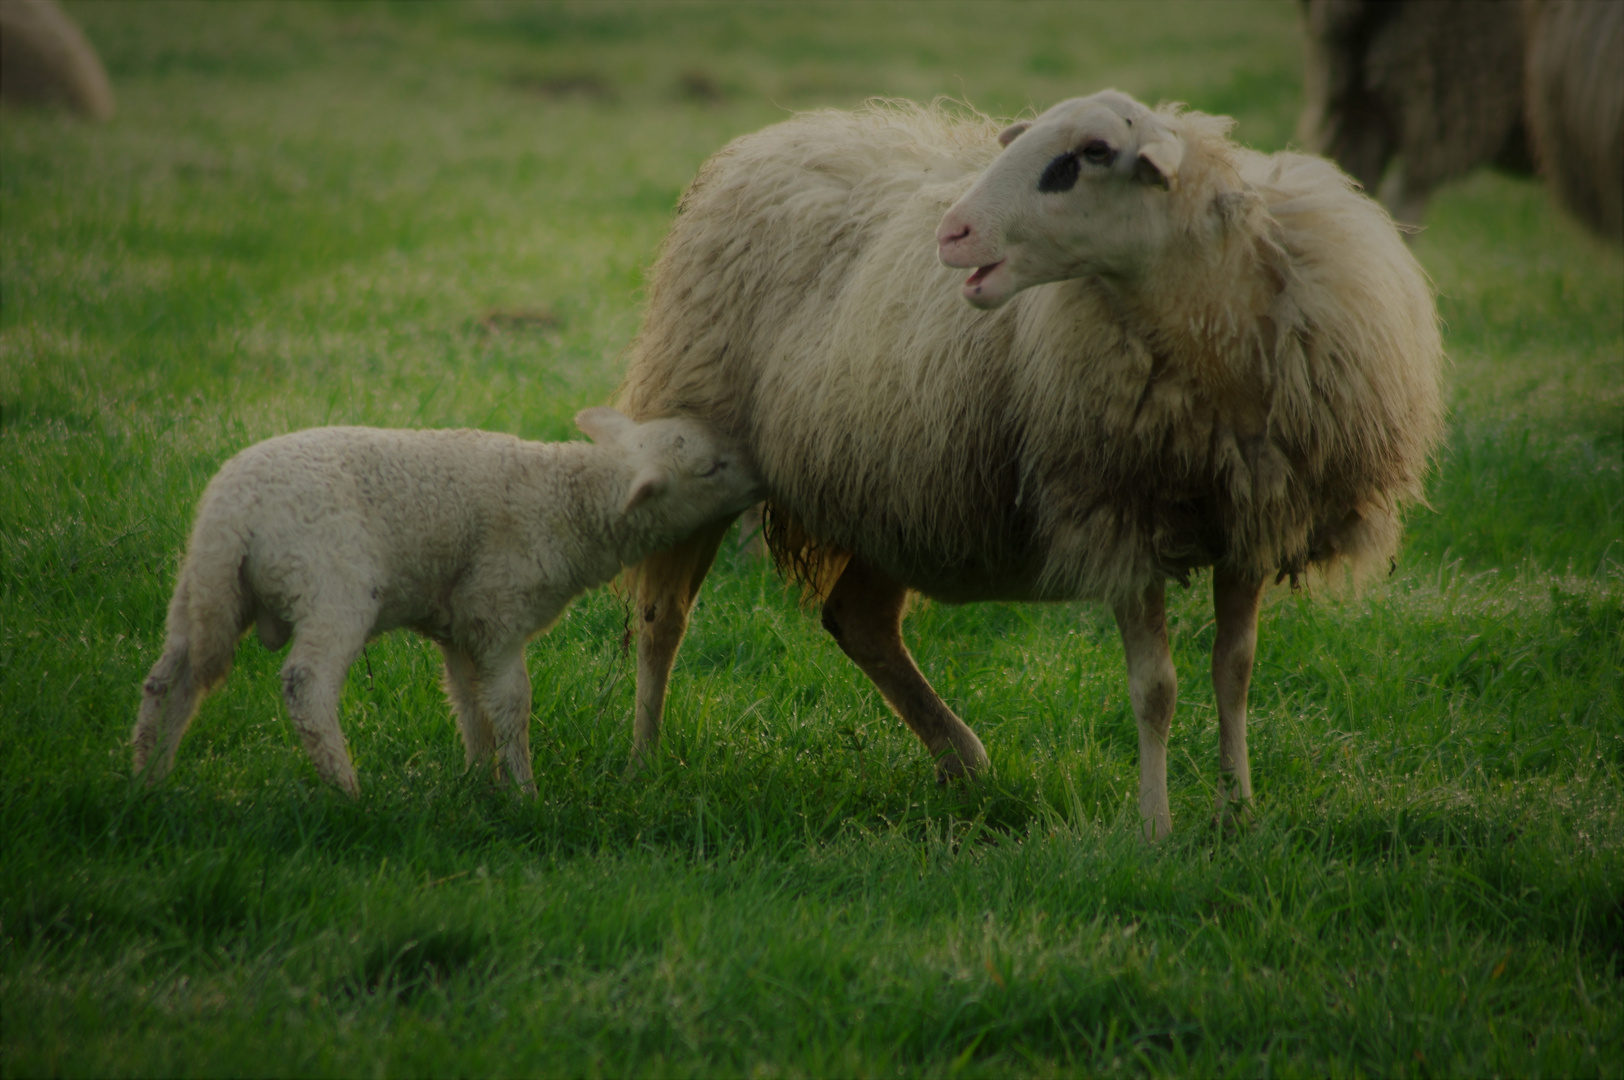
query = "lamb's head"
{"x": 680, "y": 474}
{"x": 1084, "y": 189}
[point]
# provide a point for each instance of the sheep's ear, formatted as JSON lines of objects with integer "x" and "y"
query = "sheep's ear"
{"x": 1159, "y": 162}
{"x": 647, "y": 484}
{"x": 602, "y": 424}
{"x": 1007, "y": 136}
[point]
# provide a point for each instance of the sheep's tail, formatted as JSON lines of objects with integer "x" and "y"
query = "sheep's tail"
{"x": 813, "y": 564}
{"x": 211, "y": 608}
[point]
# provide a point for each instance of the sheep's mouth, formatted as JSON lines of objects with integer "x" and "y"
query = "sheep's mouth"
{"x": 981, "y": 273}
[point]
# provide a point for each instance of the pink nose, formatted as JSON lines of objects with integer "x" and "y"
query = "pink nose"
{"x": 951, "y": 233}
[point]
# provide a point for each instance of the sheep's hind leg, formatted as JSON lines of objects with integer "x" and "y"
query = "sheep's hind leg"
{"x": 168, "y": 699}
{"x": 864, "y": 613}
{"x": 1235, "y": 608}
{"x": 462, "y": 690}
{"x": 312, "y": 677}
{"x": 667, "y": 584}
{"x": 1153, "y": 689}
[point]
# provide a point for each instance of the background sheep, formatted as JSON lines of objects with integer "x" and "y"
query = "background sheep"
{"x": 45, "y": 59}
{"x": 1425, "y": 92}
{"x": 1229, "y": 360}
{"x": 1436, "y": 86}
{"x": 476, "y": 540}
{"x": 1576, "y": 107}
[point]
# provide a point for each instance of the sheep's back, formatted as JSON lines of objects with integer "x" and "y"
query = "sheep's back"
{"x": 348, "y": 507}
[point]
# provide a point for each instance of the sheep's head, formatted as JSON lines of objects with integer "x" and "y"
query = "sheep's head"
{"x": 682, "y": 473}
{"x": 1081, "y": 190}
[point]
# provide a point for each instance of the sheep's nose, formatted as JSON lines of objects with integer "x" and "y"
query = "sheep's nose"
{"x": 948, "y": 234}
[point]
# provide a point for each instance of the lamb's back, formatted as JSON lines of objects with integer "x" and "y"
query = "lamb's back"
{"x": 380, "y": 505}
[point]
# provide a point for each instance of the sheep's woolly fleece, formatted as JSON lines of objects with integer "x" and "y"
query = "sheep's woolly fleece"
{"x": 1264, "y": 396}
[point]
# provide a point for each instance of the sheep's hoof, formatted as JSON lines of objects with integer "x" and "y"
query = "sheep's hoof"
{"x": 1230, "y": 818}
{"x": 950, "y": 766}
{"x": 641, "y": 761}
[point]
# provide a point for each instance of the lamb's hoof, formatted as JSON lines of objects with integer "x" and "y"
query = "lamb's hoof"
{"x": 639, "y": 764}
{"x": 1231, "y": 819}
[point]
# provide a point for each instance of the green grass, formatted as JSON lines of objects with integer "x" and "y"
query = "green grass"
{"x": 440, "y": 215}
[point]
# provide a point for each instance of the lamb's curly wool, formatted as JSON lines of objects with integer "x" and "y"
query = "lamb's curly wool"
{"x": 1196, "y": 356}
{"x": 474, "y": 539}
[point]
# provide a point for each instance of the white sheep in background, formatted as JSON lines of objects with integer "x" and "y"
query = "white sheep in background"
{"x": 473, "y": 539}
{"x": 1177, "y": 354}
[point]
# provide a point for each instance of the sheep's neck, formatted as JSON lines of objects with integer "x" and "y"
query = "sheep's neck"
{"x": 1204, "y": 311}
{"x": 579, "y": 488}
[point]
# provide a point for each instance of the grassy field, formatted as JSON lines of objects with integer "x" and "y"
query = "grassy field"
{"x": 421, "y": 215}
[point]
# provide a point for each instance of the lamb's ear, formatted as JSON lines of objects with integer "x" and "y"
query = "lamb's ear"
{"x": 647, "y": 484}
{"x": 1159, "y": 162}
{"x": 1007, "y": 136}
{"x": 602, "y": 424}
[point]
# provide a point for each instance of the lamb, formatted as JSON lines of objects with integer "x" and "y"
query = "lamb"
{"x": 476, "y": 540}
{"x": 1176, "y": 354}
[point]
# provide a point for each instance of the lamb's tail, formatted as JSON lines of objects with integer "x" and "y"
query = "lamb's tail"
{"x": 211, "y": 608}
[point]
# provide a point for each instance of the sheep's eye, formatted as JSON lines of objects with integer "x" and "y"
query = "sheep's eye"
{"x": 1099, "y": 152}
{"x": 1060, "y": 175}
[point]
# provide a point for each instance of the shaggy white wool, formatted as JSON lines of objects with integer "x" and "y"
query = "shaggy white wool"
{"x": 1260, "y": 392}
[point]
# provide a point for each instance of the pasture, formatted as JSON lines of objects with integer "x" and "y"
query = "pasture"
{"x": 439, "y": 215}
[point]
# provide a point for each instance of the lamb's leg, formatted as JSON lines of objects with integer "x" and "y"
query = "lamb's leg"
{"x": 504, "y": 698}
{"x": 1235, "y": 606}
{"x": 1153, "y": 689}
{"x": 168, "y": 699}
{"x": 667, "y": 583}
{"x": 864, "y": 613}
{"x": 312, "y": 678}
{"x": 198, "y": 649}
{"x": 462, "y": 690}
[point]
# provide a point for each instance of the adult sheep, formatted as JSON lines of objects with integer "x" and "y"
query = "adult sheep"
{"x": 1576, "y": 107}
{"x": 1176, "y": 354}
{"x": 1433, "y": 87}
{"x": 1407, "y": 95}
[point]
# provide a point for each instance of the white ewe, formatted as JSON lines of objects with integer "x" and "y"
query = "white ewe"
{"x": 473, "y": 539}
{"x": 1195, "y": 356}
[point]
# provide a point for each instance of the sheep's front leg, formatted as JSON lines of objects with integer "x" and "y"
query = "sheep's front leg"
{"x": 1153, "y": 690}
{"x": 1235, "y": 603}
{"x": 504, "y": 697}
{"x": 667, "y": 585}
{"x": 864, "y": 613}
{"x": 462, "y": 690}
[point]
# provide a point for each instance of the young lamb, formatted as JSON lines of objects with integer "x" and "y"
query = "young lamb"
{"x": 1177, "y": 354}
{"x": 473, "y": 539}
